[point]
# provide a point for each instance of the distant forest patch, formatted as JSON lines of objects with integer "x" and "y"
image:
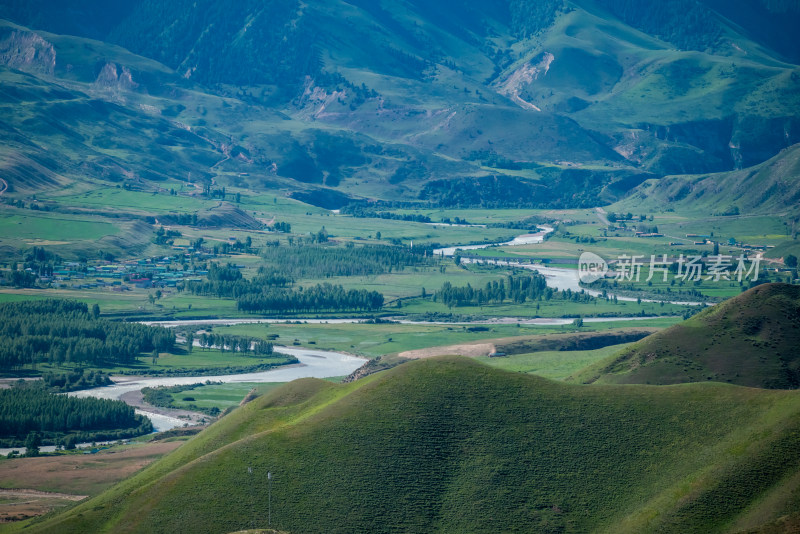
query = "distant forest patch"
{"x": 68, "y": 332}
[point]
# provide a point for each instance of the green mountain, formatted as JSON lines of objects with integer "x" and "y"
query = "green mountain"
{"x": 450, "y": 445}
{"x": 750, "y": 340}
{"x": 566, "y": 102}
{"x": 769, "y": 187}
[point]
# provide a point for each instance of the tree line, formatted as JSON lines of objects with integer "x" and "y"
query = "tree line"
{"x": 269, "y": 291}
{"x": 323, "y": 261}
{"x": 365, "y": 212}
{"x": 64, "y": 331}
{"x": 75, "y": 380}
{"x": 226, "y": 342}
{"x": 27, "y": 407}
{"x": 226, "y": 281}
{"x": 319, "y": 298}
{"x": 515, "y": 289}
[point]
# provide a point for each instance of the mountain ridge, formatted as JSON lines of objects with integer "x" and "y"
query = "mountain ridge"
{"x": 387, "y": 97}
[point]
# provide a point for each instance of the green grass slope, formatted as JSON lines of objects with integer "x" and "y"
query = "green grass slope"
{"x": 770, "y": 187}
{"x": 751, "y": 340}
{"x": 377, "y": 99}
{"x": 450, "y": 445}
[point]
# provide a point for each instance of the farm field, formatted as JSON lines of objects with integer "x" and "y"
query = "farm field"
{"x": 34, "y": 486}
{"x": 52, "y": 229}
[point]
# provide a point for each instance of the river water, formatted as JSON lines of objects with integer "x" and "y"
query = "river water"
{"x": 557, "y": 277}
{"x": 324, "y": 364}
{"x": 524, "y": 239}
{"x": 313, "y": 364}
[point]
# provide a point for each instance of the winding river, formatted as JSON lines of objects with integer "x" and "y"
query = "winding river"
{"x": 557, "y": 277}
{"x": 313, "y": 364}
{"x": 524, "y": 239}
{"x": 324, "y": 364}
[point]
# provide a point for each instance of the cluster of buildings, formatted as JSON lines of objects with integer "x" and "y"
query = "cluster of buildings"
{"x": 123, "y": 276}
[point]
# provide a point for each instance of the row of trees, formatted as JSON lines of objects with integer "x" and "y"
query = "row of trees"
{"x": 226, "y": 342}
{"x": 268, "y": 291}
{"x": 63, "y": 331}
{"x": 75, "y": 380}
{"x": 28, "y": 407}
{"x": 226, "y": 281}
{"x": 326, "y": 261}
{"x": 515, "y": 289}
{"x": 318, "y": 298}
{"x": 362, "y": 211}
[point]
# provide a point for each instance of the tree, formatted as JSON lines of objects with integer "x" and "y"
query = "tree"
{"x": 189, "y": 341}
{"x": 32, "y": 443}
{"x": 790, "y": 261}
{"x": 578, "y": 322}
{"x": 96, "y": 310}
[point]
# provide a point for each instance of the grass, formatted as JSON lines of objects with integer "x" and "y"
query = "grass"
{"x": 456, "y": 444}
{"x": 136, "y": 201}
{"x": 410, "y": 281}
{"x": 343, "y": 226}
{"x": 220, "y": 396}
{"x": 749, "y": 340}
{"x": 211, "y": 358}
{"x": 372, "y": 340}
{"x": 77, "y": 473}
{"x": 552, "y": 308}
{"x": 39, "y": 227}
{"x": 556, "y": 365}
{"x": 134, "y": 301}
{"x": 71, "y": 474}
{"x": 199, "y": 361}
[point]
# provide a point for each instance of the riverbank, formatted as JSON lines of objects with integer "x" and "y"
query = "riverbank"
{"x": 313, "y": 364}
{"x": 136, "y": 399}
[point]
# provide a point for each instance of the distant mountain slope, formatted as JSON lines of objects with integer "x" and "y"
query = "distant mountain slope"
{"x": 378, "y": 99}
{"x": 750, "y": 340}
{"x": 770, "y": 187}
{"x": 449, "y": 445}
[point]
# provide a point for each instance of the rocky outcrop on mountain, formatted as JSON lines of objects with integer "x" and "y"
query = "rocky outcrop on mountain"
{"x": 26, "y": 51}
{"x": 115, "y": 77}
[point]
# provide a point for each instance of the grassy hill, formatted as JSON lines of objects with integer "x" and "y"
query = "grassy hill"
{"x": 751, "y": 340}
{"x": 451, "y": 445}
{"x": 771, "y": 186}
